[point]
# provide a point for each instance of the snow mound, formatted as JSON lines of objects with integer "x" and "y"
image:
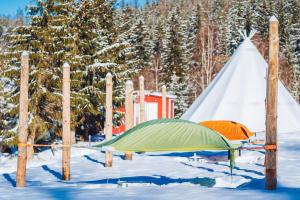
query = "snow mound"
{"x": 231, "y": 181}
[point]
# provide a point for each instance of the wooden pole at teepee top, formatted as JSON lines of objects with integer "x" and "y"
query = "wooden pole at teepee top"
{"x": 128, "y": 112}
{"x": 108, "y": 118}
{"x": 142, "y": 99}
{"x": 164, "y": 101}
{"x": 23, "y": 120}
{"x": 271, "y": 105}
{"x": 66, "y": 154}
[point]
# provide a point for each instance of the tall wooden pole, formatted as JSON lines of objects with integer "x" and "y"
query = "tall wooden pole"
{"x": 108, "y": 118}
{"x": 164, "y": 101}
{"x": 128, "y": 112}
{"x": 23, "y": 120}
{"x": 66, "y": 175}
{"x": 131, "y": 105}
{"x": 271, "y": 110}
{"x": 142, "y": 99}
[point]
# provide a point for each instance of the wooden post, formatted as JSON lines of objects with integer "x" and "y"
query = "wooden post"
{"x": 23, "y": 120}
{"x": 271, "y": 110}
{"x": 128, "y": 112}
{"x": 108, "y": 118}
{"x": 142, "y": 99}
{"x": 66, "y": 175}
{"x": 164, "y": 101}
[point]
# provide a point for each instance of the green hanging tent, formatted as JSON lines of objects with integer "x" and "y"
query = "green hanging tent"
{"x": 169, "y": 135}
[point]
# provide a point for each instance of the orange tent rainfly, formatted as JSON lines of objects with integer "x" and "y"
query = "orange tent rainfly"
{"x": 230, "y": 129}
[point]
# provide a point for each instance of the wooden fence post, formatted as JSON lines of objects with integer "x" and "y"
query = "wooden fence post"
{"x": 66, "y": 175}
{"x": 164, "y": 102}
{"x": 108, "y": 118}
{"x": 271, "y": 110}
{"x": 142, "y": 99}
{"x": 128, "y": 112}
{"x": 23, "y": 120}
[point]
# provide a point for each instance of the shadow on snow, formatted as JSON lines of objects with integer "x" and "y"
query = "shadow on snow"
{"x": 155, "y": 179}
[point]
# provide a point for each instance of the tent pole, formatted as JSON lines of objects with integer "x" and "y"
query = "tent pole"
{"x": 128, "y": 112}
{"x": 23, "y": 118}
{"x": 271, "y": 110}
{"x": 108, "y": 118}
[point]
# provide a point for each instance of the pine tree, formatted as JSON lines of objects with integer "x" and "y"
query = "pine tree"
{"x": 139, "y": 40}
{"x": 173, "y": 68}
{"x": 82, "y": 34}
{"x": 291, "y": 41}
{"x": 219, "y": 18}
{"x": 155, "y": 29}
{"x": 190, "y": 27}
{"x": 289, "y": 20}
{"x": 172, "y": 49}
{"x": 295, "y": 43}
{"x": 237, "y": 21}
{"x": 261, "y": 12}
{"x": 49, "y": 40}
{"x": 178, "y": 86}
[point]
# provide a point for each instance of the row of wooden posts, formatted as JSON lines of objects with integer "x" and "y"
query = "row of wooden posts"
{"x": 67, "y": 137}
{"x": 271, "y": 113}
{"x": 129, "y": 121}
{"x": 23, "y": 122}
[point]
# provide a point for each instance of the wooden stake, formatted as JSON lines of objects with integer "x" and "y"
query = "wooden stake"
{"x": 271, "y": 104}
{"x": 142, "y": 99}
{"x": 128, "y": 112}
{"x": 66, "y": 175}
{"x": 164, "y": 101}
{"x": 108, "y": 118}
{"x": 23, "y": 120}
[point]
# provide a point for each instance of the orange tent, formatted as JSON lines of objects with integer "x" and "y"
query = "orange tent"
{"x": 230, "y": 129}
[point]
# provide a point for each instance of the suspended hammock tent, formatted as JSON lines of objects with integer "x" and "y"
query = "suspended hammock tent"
{"x": 170, "y": 135}
{"x": 230, "y": 129}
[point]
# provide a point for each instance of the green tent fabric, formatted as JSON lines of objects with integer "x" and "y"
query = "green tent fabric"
{"x": 169, "y": 135}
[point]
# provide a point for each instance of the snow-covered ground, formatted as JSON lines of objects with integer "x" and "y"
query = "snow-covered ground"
{"x": 155, "y": 175}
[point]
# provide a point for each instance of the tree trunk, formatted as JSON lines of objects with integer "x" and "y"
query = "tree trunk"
{"x": 30, "y": 149}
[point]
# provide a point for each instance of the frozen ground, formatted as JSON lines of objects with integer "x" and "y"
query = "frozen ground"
{"x": 155, "y": 176}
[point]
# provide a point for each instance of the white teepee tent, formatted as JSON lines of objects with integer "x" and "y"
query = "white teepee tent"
{"x": 238, "y": 93}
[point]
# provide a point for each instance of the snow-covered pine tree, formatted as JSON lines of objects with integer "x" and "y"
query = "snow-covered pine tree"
{"x": 174, "y": 71}
{"x": 219, "y": 18}
{"x": 237, "y": 20}
{"x": 191, "y": 27}
{"x": 7, "y": 130}
{"x": 83, "y": 34}
{"x": 123, "y": 23}
{"x": 294, "y": 38}
{"x": 261, "y": 12}
{"x": 172, "y": 46}
{"x": 101, "y": 49}
{"x": 139, "y": 40}
{"x": 178, "y": 86}
{"x": 49, "y": 41}
{"x": 291, "y": 40}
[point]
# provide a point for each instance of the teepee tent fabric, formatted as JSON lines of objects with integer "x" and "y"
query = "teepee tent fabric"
{"x": 169, "y": 135}
{"x": 238, "y": 93}
{"x": 229, "y": 129}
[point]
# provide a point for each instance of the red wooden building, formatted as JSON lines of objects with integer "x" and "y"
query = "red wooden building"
{"x": 153, "y": 108}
